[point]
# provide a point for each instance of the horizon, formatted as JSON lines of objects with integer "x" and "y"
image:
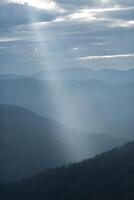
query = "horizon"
{"x": 67, "y": 68}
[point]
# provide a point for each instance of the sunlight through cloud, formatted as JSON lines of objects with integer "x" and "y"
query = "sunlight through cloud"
{"x": 40, "y": 4}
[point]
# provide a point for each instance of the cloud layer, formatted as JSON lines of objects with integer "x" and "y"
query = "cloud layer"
{"x": 54, "y": 36}
{"x": 107, "y": 57}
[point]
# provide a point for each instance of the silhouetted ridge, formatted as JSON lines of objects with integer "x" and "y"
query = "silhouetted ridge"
{"x": 83, "y": 73}
{"x": 107, "y": 176}
{"x": 30, "y": 143}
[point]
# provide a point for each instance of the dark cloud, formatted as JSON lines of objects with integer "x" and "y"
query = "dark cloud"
{"x": 126, "y": 14}
{"x": 93, "y": 3}
{"x": 126, "y": 2}
{"x": 71, "y": 4}
{"x": 16, "y": 14}
{"x": 79, "y": 2}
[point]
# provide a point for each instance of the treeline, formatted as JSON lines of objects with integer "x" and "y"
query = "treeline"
{"x": 107, "y": 176}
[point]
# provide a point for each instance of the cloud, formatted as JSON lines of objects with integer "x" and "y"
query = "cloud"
{"x": 16, "y": 14}
{"x": 122, "y": 24}
{"x": 71, "y": 4}
{"x": 51, "y": 39}
{"x": 8, "y": 39}
{"x": 126, "y": 2}
{"x": 108, "y": 9}
{"x": 107, "y": 57}
{"x": 112, "y": 15}
{"x": 40, "y": 4}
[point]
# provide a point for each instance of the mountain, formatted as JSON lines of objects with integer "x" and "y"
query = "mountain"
{"x": 81, "y": 74}
{"x": 107, "y": 176}
{"x": 30, "y": 143}
{"x": 110, "y": 76}
{"x": 90, "y": 106}
{"x": 12, "y": 76}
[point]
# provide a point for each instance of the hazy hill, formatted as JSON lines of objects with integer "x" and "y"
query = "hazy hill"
{"x": 107, "y": 176}
{"x": 29, "y": 143}
{"x": 12, "y": 76}
{"x": 91, "y": 105}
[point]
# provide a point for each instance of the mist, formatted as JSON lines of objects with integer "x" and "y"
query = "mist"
{"x": 66, "y": 88}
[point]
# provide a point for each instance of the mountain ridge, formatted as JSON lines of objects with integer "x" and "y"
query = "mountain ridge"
{"x": 102, "y": 103}
{"x": 109, "y": 175}
{"x": 79, "y": 74}
{"x": 42, "y": 143}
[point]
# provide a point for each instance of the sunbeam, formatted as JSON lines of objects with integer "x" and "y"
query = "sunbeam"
{"x": 64, "y": 106}
{"x": 66, "y": 99}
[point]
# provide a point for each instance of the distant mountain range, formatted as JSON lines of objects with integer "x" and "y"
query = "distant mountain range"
{"x": 107, "y": 176}
{"x": 78, "y": 74}
{"x": 30, "y": 143}
{"x": 12, "y": 76}
{"x": 92, "y": 106}
{"x": 81, "y": 74}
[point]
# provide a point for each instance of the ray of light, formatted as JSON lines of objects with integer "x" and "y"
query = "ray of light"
{"x": 64, "y": 106}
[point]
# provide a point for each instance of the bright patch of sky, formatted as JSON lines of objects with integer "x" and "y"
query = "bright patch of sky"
{"x": 41, "y": 4}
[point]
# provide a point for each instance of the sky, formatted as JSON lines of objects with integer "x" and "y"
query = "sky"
{"x": 40, "y": 35}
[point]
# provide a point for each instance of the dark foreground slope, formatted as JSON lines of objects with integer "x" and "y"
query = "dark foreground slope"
{"x": 109, "y": 176}
{"x": 29, "y": 144}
